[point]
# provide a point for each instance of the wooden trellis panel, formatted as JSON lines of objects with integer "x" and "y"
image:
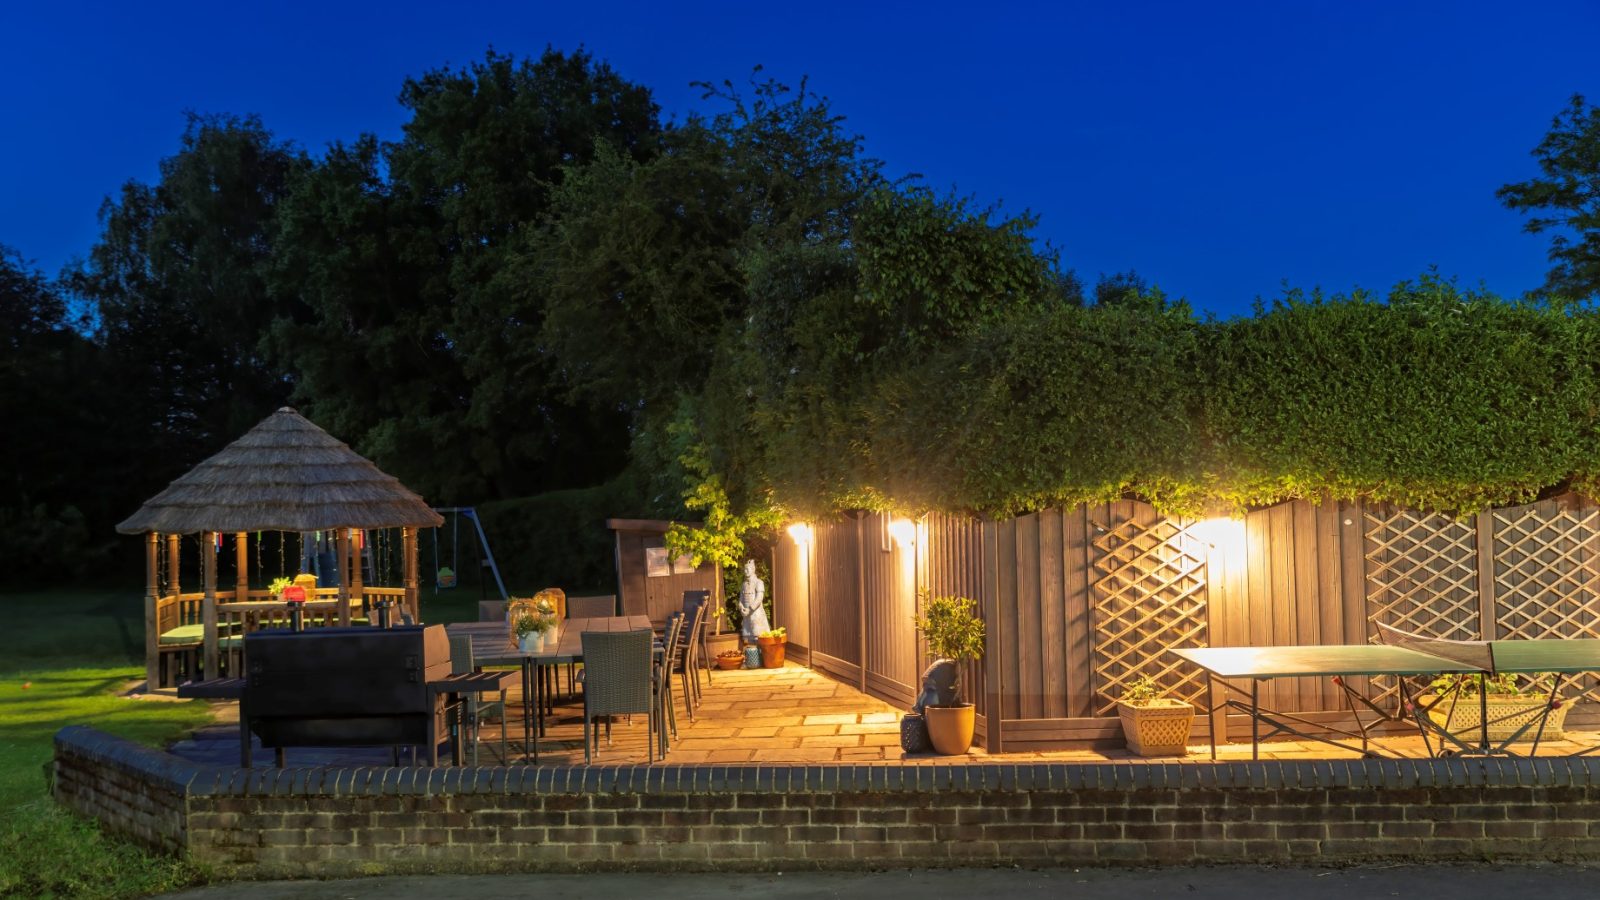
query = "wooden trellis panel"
{"x": 1151, "y": 596}
{"x": 1422, "y": 577}
{"x": 1547, "y": 575}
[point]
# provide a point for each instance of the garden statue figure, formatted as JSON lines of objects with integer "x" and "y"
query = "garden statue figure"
{"x": 939, "y": 685}
{"x": 752, "y": 597}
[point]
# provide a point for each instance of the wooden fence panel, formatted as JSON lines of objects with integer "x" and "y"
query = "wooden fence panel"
{"x": 836, "y": 616}
{"x": 1546, "y": 564}
{"x": 1070, "y": 623}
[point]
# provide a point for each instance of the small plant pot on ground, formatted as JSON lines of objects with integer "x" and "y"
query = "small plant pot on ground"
{"x": 950, "y": 727}
{"x": 730, "y": 659}
{"x": 772, "y": 651}
{"x": 1158, "y": 727}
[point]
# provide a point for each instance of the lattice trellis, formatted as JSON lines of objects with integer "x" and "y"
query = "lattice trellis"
{"x": 1547, "y": 576}
{"x": 1422, "y": 577}
{"x": 1151, "y": 596}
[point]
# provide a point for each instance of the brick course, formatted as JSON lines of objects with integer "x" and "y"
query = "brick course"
{"x": 346, "y": 821}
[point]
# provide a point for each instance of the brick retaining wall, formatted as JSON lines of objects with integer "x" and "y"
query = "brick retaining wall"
{"x": 344, "y": 821}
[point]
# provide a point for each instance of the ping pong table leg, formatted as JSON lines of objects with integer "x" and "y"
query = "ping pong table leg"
{"x": 1211, "y": 708}
{"x": 1483, "y": 712}
{"x": 1255, "y": 718}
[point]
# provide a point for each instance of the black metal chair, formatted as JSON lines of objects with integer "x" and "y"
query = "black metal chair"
{"x": 618, "y": 681}
{"x": 462, "y": 662}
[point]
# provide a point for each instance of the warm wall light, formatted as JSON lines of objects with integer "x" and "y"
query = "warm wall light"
{"x": 800, "y": 533}
{"x": 1225, "y": 535}
{"x": 904, "y": 532}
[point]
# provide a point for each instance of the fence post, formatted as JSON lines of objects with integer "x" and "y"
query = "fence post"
{"x": 1487, "y": 626}
{"x": 994, "y": 691}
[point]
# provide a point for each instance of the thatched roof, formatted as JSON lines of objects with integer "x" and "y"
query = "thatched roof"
{"x": 285, "y": 474}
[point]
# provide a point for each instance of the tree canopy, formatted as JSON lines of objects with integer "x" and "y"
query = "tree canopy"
{"x": 542, "y": 287}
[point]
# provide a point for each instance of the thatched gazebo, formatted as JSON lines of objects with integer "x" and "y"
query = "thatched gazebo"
{"x": 284, "y": 475}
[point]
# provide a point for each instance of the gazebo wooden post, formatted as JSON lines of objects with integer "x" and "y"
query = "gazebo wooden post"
{"x": 241, "y": 558}
{"x": 174, "y": 544}
{"x": 408, "y": 570}
{"x": 342, "y": 551}
{"x": 357, "y": 594}
{"x": 152, "y": 599}
{"x": 208, "y": 609}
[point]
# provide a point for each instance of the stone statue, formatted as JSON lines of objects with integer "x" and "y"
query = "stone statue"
{"x": 751, "y": 597}
{"x": 940, "y": 686}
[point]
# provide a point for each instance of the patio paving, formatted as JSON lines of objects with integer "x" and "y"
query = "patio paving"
{"x": 788, "y": 715}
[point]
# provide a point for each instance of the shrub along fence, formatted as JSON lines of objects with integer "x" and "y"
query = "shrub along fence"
{"x": 1079, "y": 603}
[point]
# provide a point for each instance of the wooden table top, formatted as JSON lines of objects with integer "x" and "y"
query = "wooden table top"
{"x": 492, "y": 643}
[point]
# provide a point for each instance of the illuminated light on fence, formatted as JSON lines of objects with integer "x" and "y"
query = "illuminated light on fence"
{"x": 800, "y": 533}
{"x": 1224, "y": 535}
{"x": 904, "y": 532}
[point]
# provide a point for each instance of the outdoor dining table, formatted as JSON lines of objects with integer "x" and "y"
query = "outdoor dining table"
{"x": 493, "y": 645}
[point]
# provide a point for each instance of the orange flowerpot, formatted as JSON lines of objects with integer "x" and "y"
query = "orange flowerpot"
{"x": 950, "y": 728}
{"x": 771, "y": 652}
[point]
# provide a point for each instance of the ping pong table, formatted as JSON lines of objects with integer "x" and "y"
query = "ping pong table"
{"x": 1403, "y": 656}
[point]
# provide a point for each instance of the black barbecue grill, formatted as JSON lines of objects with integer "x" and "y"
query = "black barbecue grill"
{"x": 346, "y": 687}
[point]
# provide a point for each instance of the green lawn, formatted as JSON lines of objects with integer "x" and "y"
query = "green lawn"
{"x": 64, "y": 657}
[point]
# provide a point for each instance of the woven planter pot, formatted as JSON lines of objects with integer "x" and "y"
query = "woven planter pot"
{"x": 1157, "y": 728}
{"x": 1508, "y": 713}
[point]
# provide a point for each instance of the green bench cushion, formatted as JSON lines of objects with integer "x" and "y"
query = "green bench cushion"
{"x": 183, "y": 634}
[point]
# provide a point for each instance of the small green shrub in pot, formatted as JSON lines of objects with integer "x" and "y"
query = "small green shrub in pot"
{"x": 954, "y": 633}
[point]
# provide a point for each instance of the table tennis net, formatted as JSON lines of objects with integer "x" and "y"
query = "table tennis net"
{"x": 1477, "y": 654}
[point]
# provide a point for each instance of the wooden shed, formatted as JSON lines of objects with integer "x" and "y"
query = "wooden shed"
{"x": 649, "y": 581}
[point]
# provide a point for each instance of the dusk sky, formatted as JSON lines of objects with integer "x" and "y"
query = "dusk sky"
{"x": 1217, "y": 149}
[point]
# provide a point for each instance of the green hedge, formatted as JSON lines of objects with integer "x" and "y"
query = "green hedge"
{"x": 1436, "y": 397}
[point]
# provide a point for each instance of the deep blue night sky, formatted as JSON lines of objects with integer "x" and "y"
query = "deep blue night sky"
{"x": 1219, "y": 153}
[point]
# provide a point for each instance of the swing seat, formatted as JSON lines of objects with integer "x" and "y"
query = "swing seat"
{"x": 445, "y": 581}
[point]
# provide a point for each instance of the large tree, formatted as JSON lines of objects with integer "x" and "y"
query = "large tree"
{"x": 55, "y": 490}
{"x": 180, "y": 298}
{"x": 1565, "y": 201}
{"x": 421, "y": 348}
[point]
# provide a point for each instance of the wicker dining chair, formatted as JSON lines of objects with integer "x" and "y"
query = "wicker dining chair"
{"x": 671, "y": 642}
{"x": 697, "y": 609}
{"x": 476, "y": 709}
{"x": 617, "y": 681}
{"x": 596, "y": 607}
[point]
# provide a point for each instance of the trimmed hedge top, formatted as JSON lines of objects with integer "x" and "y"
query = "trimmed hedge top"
{"x": 1438, "y": 398}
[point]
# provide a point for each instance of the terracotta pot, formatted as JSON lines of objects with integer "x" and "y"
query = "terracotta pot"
{"x": 950, "y": 727}
{"x": 731, "y": 660}
{"x": 771, "y": 652}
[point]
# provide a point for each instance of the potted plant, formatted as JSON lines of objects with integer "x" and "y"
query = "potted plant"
{"x": 529, "y": 630}
{"x": 277, "y": 587}
{"x": 545, "y": 611}
{"x": 1514, "y": 707}
{"x": 1154, "y": 725}
{"x": 772, "y": 648}
{"x": 730, "y": 659}
{"x": 954, "y": 634}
